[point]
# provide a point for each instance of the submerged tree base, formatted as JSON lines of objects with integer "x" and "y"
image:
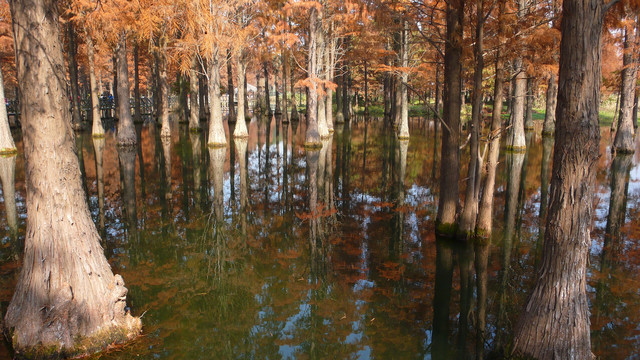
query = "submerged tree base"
{"x": 98, "y": 136}
{"x": 214, "y": 145}
{"x": 83, "y": 346}
{"x": 8, "y": 151}
{"x": 547, "y": 133}
{"x": 403, "y": 137}
{"x": 624, "y": 151}
{"x": 313, "y": 145}
{"x": 516, "y": 149}
{"x": 449, "y": 230}
{"x": 195, "y": 130}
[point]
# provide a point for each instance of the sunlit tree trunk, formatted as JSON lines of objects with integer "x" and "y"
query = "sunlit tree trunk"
{"x": 7, "y": 146}
{"x": 126, "y": 131}
{"x": 97, "y": 130}
{"x": 217, "y": 137}
{"x": 450, "y": 158}
{"x": 240, "y": 130}
{"x": 549, "y": 124}
{"x": 72, "y": 49}
{"x": 515, "y": 134}
{"x": 164, "y": 90}
{"x": 67, "y": 301}
{"x": 323, "y": 130}
{"x": 555, "y": 322}
{"x": 312, "y": 138}
{"x": 528, "y": 122}
{"x": 623, "y": 142}
{"x": 330, "y": 60}
{"x": 403, "y": 126}
{"x": 194, "y": 115}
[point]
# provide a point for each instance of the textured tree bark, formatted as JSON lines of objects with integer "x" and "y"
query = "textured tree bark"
{"x": 194, "y": 114}
{"x": 555, "y": 321}
{"x": 623, "y": 142}
{"x": 267, "y": 91}
{"x": 67, "y": 301}
{"x": 549, "y": 124}
{"x": 312, "y": 138}
{"x": 164, "y": 90}
{"x": 240, "y": 130}
{"x": 7, "y": 146}
{"x": 97, "y": 130}
{"x": 403, "y": 127}
{"x": 72, "y": 48}
{"x": 450, "y": 158}
{"x": 126, "y": 131}
{"x": 217, "y": 137}
{"x": 467, "y": 222}
{"x": 330, "y": 60}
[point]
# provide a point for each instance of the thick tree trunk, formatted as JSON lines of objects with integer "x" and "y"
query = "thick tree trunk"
{"x": 164, "y": 90}
{"x": 7, "y": 146}
{"x": 72, "y": 48}
{"x": 549, "y": 124}
{"x": 623, "y": 142}
{"x": 240, "y": 130}
{"x": 97, "y": 130}
{"x": 515, "y": 135}
{"x": 403, "y": 126}
{"x": 194, "y": 118}
{"x": 312, "y": 138}
{"x": 467, "y": 223}
{"x": 217, "y": 137}
{"x": 267, "y": 91}
{"x": 114, "y": 86}
{"x": 126, "y": 131}
{"x": 136, "y": 85}
{"x": 555, "y": 322}
{"x": 67, "y": 300}
{"x": 450, "y": 158}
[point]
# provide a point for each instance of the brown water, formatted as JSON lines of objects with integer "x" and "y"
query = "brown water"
{"x": 329, "y": 254}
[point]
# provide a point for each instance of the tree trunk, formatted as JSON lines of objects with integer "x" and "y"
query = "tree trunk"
{"x": 550, "y": 113}
{"x": 467, "y": 222}
{"x": 97, "y": 130}
{"x": 623, "y": 142}
{"x": 164, "y": 90}
{"x": 403, "y": 126}
{"x": 267, "y": 92}
{"x": 217, "y": 137}
{"x": 126, "y": 131}
{"x": 515, "y": 136}
{"x": 203, "y": 96}
{"x": 194, "y": 118}
{"x": 72, "y": 49}
{"x": 555, "y": 322}
{"x": 7, "y": 177}
{"x": 241, "y": 123}
{"x": 114, "y": 86}
{"x": 136, "y": 85}
{"x": 67, "y": 300}
{"x": 528, "y": 122}
{"x": 312, "y": 139}
{"x": 230, "y": 89}
{"x": 330, "y": 56}
{"x": 7, "y": 146}
{"x": 450, "y": 158}
{"x": 323, "y": 130}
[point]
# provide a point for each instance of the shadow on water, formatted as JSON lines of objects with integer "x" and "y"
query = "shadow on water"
{"x": 265, "y": 250}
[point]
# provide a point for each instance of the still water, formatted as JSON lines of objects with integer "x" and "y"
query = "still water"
{"x": 263, "y": 250}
